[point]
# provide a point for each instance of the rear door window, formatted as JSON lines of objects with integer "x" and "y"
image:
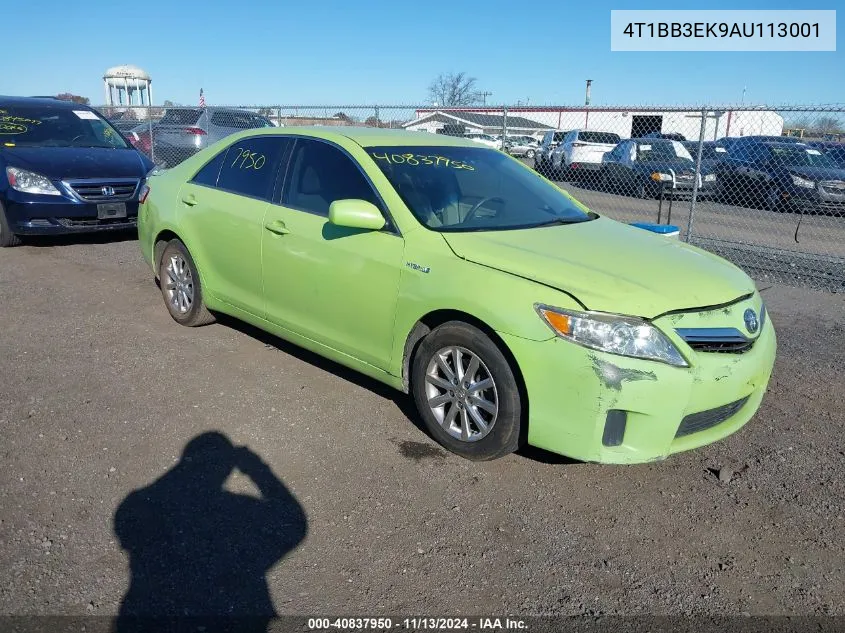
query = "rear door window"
{"x": 181, "y": 116}
{"x": 208, "y": 175}
{"x": 239, "y": 120}
{"x": 251, "y": 165}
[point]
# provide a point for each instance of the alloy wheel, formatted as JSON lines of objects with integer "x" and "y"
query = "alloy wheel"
{"x": 461, "y": 393}
{"x": 179, "y": 284}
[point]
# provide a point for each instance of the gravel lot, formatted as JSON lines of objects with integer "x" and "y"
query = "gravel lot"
{"x": 101, "y": 391}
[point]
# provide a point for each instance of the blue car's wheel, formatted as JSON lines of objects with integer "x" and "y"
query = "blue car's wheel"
{"x": 7, "y": 238}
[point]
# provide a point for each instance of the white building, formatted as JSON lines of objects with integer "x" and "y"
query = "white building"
{"x": 627, "y": 123}
{"x": 474, "y": 122}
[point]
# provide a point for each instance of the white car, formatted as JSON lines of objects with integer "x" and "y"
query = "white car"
{"x": 582, "y": 150}
{"x": 484, "y": 139}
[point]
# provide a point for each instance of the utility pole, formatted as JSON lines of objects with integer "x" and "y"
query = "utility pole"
{"x": 484, "y": 96}
{"x": 587, "y": 97}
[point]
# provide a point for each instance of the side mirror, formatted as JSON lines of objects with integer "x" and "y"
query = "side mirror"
{"x": 356, "y": 214}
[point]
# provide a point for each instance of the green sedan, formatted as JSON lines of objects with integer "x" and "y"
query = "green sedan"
{"x": 508, "y": 310}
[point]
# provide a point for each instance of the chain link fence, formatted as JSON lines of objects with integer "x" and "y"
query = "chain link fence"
{"x": 762, "y": 186}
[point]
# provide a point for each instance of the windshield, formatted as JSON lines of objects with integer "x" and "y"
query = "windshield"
{"x": 662, "y": 150}
{"x": 473, "y": 189}
{"x": 609, "y": 138}
{"x": 799, "y": 157}
{"x": 32, "y": 126}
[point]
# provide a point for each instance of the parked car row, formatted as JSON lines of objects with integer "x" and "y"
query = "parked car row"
{"x": 770, "y": 172}
{"x": 511, "y": 281}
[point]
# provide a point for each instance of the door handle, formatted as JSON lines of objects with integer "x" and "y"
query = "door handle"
{"x": 190, "y": 200}
{"x": 277, "y": 226}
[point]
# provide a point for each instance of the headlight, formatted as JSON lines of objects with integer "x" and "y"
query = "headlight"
{"x": 803, "y": 182}
{"x": 615, "y": 334}
{"x": 658, "y": 177}
{"x": 710, "y": 178}
{"x": 30, "y": 182}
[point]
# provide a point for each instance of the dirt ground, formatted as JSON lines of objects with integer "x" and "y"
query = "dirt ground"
{"x": 100, "y": 392}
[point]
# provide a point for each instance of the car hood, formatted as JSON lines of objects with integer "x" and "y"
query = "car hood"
{"x": 59, "y": 163}
{"x": 609, "y": 266}
{"x": 816, "y": 173}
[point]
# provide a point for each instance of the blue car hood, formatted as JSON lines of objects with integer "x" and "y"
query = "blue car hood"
{"x": 58, "y": 163}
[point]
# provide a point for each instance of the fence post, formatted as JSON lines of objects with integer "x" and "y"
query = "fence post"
{"x": 697, "y": 174}
{"x": 504, "y": 126}
{"x": 152, "y": 140}
{"x": 377, "y": 119}
{"x": 279, "y": 119}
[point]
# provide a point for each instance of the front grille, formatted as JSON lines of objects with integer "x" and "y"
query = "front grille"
{"x": 105, "y": 190}
{"x": 696, "y": 422}
{"x": 835, "y": 187}
{"x": 75, "y": 222}
{"x": 723, "y": 347}
{"x": 720, "y": 340}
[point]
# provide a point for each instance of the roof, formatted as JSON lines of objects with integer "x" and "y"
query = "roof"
{"x": 370, "y": 136}
{"x": 46, "y": 102}
{"x": 481, "y": 120}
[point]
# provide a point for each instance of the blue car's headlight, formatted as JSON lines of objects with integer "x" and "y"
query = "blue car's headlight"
{"x": 30, "y": 182}
{"x": 615, "y": 334}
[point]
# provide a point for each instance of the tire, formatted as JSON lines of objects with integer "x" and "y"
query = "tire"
{"x": 772, "y": 202}
{"x": 181, "y": 287}
{"x": 529, "y": 153}
{"x": 604, "y": 182}
{"x": 7, "y": 238}
{"x": 460, "y": 432}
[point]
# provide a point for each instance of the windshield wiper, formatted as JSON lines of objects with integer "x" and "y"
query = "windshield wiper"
{"x": 559, "y": 221}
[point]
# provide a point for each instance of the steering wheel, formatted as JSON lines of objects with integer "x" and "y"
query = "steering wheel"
{"x": 478, "y": 205}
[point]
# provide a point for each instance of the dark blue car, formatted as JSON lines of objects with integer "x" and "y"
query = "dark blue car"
{"x": 64, "y": 169}
{"x": 782, "y": 177}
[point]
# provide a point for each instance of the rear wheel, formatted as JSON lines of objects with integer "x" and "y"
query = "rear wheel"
{"x": 466, "y": 392}
{"x": 7, "y": 238}
{"x": 529, "y": 153}
{"x": 181, "y": 288}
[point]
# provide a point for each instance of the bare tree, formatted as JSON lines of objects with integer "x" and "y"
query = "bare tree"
{"x": 66, "y": 96}
{"x": 454, "y": 89}
{"x": 827, "y": 125}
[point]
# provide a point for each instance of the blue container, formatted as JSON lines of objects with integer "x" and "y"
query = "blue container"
{"x": 669, "y": 230}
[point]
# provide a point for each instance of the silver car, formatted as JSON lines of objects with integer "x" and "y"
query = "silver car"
{"x": 182, "y": 132}
{"x": 521, "y": 146}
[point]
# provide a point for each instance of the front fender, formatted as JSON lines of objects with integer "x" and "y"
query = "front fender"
{"x": 434, "y": 279}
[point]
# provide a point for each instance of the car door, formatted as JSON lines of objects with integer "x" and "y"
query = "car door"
{"x": 612, "y": 163}
{"x": 221, "y": 210}
{"x": 332, "y": 284}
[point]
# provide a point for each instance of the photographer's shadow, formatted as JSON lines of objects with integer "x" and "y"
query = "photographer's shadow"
{"x": 198, "y": 550}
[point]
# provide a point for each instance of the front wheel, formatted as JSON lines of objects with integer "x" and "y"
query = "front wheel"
{"x": 529, "y": 153}
{"x": 466, "y": 392}
{"x": 7, "y": 238}
{"x": 181, "y": 288}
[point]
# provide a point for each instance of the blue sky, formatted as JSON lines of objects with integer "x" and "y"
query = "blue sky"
{"x": 331, "y": 52}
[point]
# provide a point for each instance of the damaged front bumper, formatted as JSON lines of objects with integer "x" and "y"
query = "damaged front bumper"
{"x": 601, "y": 407}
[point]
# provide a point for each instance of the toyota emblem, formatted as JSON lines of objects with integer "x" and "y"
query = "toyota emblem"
{"x": 750, "y": 318}
{"x": 108, "y": 191}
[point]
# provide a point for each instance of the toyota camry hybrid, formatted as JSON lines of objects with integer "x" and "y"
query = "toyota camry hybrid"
{"x": 508, "y": 310}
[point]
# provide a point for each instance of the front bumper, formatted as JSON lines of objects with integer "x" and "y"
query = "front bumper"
{"x": 820, "y": 198}
{"x": 577, "y": 396}
{"x": 57, "y": 215}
